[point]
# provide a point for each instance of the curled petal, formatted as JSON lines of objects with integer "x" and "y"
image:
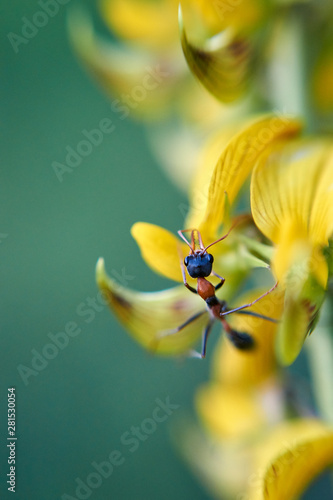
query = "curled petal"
{"x": 300, "y": 315}
{"x": 295, "y": 258}
{"x": 147, "y": 316}
{"x": 236, "y": 162}
{"x": 222, "y": 65}
{"x": 227, "y": 38}
{"x": 275, "y": 464}
{"x": 293, "y": 330}
{"x": 292, "y": 456}
{"x": 299, "y": 318}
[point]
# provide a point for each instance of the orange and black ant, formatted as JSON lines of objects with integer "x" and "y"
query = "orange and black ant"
{"x": 199, "y": 265}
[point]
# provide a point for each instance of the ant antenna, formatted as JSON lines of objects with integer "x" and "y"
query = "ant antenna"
{"x": 239, "y": 220}
{"x": 195, "y": 238}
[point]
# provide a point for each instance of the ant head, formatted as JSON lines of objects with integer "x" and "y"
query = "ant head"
{"x": 199, "y": 264}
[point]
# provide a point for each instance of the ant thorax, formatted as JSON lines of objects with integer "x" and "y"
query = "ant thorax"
{"x": 199, "y": 264}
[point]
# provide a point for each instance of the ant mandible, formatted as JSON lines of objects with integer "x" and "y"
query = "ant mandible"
{"x": 199, "y": 265}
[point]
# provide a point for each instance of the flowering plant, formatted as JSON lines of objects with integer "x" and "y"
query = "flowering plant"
{"x": 265, "y": 115}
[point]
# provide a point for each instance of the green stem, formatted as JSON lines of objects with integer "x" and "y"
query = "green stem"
{"x": 320, "y": 354}
{"x": 264, "y": 252}
{"x": 287, "y": 75}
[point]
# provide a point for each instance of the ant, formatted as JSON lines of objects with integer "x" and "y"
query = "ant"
{"x": 199, "y": 265}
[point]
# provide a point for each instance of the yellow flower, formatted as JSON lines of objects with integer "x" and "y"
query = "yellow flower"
{"x": 146, "y": 77}
{"x": 160, "y": 248}
{"x": 277, "y": 464}
{"x": 292, "y": 204}
{"x": 144, "y": 71}
{"x": 146, "y": 315}
{"x": 248, "y": 449}
{"x": 223, "y": 41}
{"x": 294, "y": 454}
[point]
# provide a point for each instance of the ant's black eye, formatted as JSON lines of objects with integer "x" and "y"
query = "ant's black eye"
{"x": 186, "y": 260}
{"x": 210, "y": 258}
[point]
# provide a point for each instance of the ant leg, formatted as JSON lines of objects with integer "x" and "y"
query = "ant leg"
{"x": 155, "y": 342}
{"x": 193, "y": 290}
{"x": 218, "y": 286}
{"x": 250, "y": 303}
{"x": 205, "y": 335}
{"x": 166, "y": 333}
{"x": 257, "y": 315}
{"x": 205, "y": 338}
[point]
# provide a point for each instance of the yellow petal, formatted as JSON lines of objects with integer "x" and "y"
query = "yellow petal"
{"x": 159, "y": 248}
{"x": 151, "y": 24}
{"x": 303, "y": 273}
{"x": 238, "y": 159}
{"x": 221, "y": 47}
{"x": 299, "y": 318}
{"x": 296, "y": 259}
{"x": 292, "y": 330}
{"x": 289, "y": 206}
{"x": 284, "y": 186}
{"x": 222, "y": 65}
{"x": 147, "y": 315}
{"x": 206, "y": 163}
{"x": 294, "y": 454}
{"x": 321, "y": 220}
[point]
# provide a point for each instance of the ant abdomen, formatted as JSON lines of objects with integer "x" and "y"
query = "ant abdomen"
{"x": 243, "y": 341}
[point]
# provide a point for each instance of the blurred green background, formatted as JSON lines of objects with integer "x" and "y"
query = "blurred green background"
{"x": 75, "y": 410}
